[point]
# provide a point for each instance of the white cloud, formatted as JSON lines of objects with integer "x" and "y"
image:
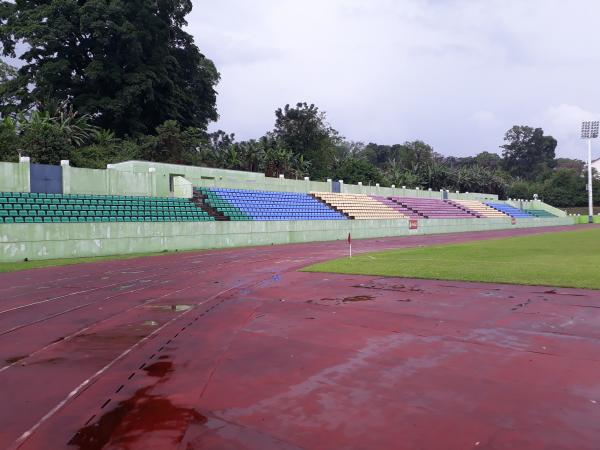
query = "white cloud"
{"x": 564, "y": 123}
{"x": 393, "y": 70}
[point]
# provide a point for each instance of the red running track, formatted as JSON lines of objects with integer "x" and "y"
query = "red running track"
{"x": 235, "y": 349}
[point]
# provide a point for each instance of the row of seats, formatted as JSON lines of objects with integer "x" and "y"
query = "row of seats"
{"x": 36, "y": 195}
{"x": 70, "y": 207}
{"x": 478, "y": 208}
{"x": 431, "y": 208}
{"x": 18, "y": 207}
{"x": 540, "y": 213}
{"x": 406, "y": 212}
{"x": 241, "y": 204}
{"x": 509, "y": 210}
{"x": 63, "y": 219}
{"x": 358, "y": 206}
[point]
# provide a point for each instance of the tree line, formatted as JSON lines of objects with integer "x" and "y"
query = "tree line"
{"x": 102, "y": 82}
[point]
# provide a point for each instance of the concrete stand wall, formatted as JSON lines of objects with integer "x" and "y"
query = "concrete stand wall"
{"x": 50, "y": 241}
{"x": 14, "y": 177}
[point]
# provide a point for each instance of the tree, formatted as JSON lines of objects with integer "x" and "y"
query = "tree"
{"x": 8, "y": 101}
{"x": 127, "y": 63}
{"x": 252, "y": 154}
{"x": 47, "y": 138}
{"x": 380, "y": 155}
{"x": 9, "y": 139}
{"x": 172, "y": 144}
{"x": 564, "y": 188}
{"x": 105, "y": 149}
{"x": 415, "y": 154}
{"x": 304, "y": 131}
{"x": 353, "y": 170}
{"x": 489, "y": 160}
{"x": 574, "y": 164}
{"x": 45, "y": 142}
{"x": 528, "y": 153}
{"x": 7, "y": 72}
{"x": 278, "y": 160}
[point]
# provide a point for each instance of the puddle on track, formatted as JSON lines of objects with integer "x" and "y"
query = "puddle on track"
{"x": 338, "y": 301}
{"x": 131, "y": 419}
{"x": 15, "y": 359}
{"x": 174, "y": 308}
{"x": 142, "y": 413}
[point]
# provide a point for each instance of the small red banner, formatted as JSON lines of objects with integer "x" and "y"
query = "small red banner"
{"x": 349, "y": 239}
{"x": 413, "y": 224}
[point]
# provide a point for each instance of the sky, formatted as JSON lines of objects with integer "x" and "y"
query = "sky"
{"x": 454, "y": 73}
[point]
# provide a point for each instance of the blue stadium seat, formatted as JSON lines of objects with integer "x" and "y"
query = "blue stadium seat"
{"x": 510, "y": 210}
{"x": 243, "y": 204}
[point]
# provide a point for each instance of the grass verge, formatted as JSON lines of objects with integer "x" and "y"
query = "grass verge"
{"x": 565, "y": 259}
{"x": 26, "y": 265}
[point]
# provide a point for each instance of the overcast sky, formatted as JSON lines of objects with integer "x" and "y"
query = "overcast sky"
{"x": 454, "y": 73}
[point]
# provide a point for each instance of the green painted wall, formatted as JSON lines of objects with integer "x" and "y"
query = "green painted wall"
{"x": 14, "y": 177}
{"x": 209, "y": 177}
{"x": 585, "y": 219}
{"x": 153, "y": 179}
{"x": 49, "y": 241}
{"x": 107, "y": 182}
{"x": 416, "y": 193}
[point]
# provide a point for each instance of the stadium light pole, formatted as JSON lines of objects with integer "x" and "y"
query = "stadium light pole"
{"x": 589, "y": 131}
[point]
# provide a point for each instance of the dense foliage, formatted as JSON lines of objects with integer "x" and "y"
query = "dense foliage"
{"x": 106, "y": 81}
{"x": 126, "y": 63}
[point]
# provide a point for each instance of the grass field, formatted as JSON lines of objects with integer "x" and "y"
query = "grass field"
{"x": 25, "y": 265}
{"x": 567, "y": 259}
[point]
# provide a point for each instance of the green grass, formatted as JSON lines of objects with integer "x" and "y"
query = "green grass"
{"x": 567, "y": 259}
{"x": 26, "y": 265}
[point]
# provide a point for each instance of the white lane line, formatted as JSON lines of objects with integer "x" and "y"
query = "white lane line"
{"x": 84, "y": 385}
{"x": 52, "y": 316}
{"x": 60, "y": 297}
{"x": 85, "y": 329}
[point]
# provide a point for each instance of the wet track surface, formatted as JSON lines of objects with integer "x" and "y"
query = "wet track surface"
{"x": 235, "y": 349}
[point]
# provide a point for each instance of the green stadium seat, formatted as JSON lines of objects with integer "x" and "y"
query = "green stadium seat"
{"x": 80, "y": 208}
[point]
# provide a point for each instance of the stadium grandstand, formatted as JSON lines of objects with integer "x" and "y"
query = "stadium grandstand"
{"x": 139, "y": 206}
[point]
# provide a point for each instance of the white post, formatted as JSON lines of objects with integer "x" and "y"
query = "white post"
{"x": 590, "y": 185}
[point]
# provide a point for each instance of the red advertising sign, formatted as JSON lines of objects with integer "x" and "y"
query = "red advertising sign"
{"x": 413, "y": 224}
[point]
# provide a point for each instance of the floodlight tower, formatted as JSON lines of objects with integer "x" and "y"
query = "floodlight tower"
{"x": 589, "y": 131}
